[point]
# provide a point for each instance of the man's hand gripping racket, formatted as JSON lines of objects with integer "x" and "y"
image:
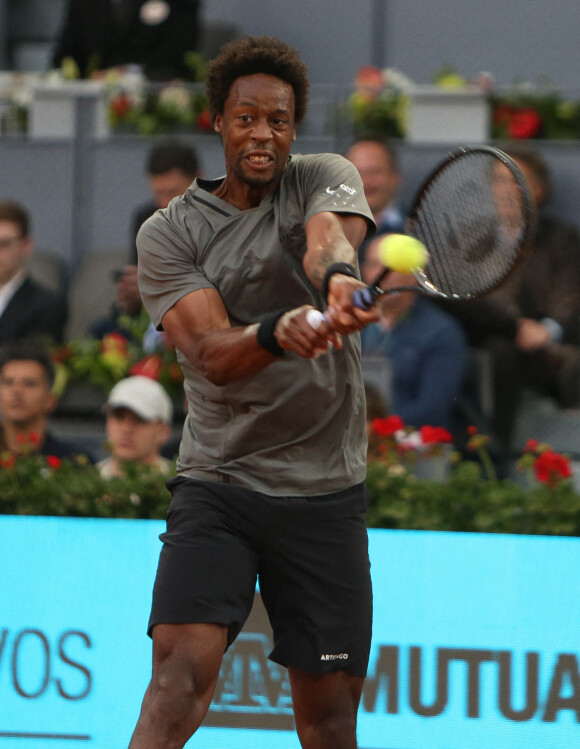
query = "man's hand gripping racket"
{"x": 471, "y": 223}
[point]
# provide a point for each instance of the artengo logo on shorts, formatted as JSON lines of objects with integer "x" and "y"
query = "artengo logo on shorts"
{"x": 334, "y": 657}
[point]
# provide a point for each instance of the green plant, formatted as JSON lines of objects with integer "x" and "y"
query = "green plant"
{"x": 32, "y": 484}
{"x": 539, "y": 110}
{"x": 103, "y": 363}
{"x": 472, "y": 499}
{"x": 378, "y": 105}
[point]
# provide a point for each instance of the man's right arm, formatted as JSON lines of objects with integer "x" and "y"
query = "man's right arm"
{"x": 199, "y": 326}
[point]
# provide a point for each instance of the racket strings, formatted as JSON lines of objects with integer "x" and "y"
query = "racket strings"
{"x": 472, "y": 217}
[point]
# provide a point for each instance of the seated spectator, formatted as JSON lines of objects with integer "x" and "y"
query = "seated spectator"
{"x": 531, "y": 325}
{"x": 27, "y": 309}
{"x": 425, "y": 346}
{"x": 138, "y": 423}
{"x": 171, "y": 168}
{"x": 154, "y": 34}
{"x": 27, "y": 401}
{"x": 377, "y": 165}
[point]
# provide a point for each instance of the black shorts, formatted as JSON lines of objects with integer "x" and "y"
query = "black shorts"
{"x": 309, "y": 554}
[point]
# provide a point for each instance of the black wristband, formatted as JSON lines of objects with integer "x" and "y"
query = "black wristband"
{"x": 266, "y": 337}
{"x": 344, "y": 268}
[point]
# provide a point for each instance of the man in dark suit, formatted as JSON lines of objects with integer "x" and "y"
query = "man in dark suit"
{"x": 156, "y": 34}
{"x": 27, "y": 309}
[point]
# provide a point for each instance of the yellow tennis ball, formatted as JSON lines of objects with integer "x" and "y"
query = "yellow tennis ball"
{"x": 402, "y": 253}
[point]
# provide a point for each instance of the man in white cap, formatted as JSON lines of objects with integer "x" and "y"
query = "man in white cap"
{"x": 139, "y": 414}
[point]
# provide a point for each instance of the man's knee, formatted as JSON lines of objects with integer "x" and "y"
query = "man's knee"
{"x": 186, "y": 663}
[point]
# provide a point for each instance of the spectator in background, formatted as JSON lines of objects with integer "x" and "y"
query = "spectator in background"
{"x": 27, "y": 309}
{"x": 531, "y": 325}
{"x": 27, "y": 400}
{"x": 139, "y": 414}
{"x": 171, "y": 168}
{"x": 377, "y": 165}
{"x": 425, "y": 346}
{"x": 154, "y": 34}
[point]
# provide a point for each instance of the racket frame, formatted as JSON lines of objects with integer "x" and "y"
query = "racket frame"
{"x": 368, "y": 296}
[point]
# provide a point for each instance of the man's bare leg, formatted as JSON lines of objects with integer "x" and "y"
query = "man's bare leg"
{"x": 325, "y": 708}
{"x": 186, "y": 665}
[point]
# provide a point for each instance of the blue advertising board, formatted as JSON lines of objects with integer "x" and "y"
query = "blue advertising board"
{"x": 476, "y": 643}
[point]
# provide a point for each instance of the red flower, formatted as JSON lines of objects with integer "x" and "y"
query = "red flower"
{"x": 53, "y": 462}
{"x": 388, "y": 426}
{"x": 550, "y": 468}
{"x": 471, "y": 430}
{"x": 62, "y": 354}
{"x": 434, "y": 435}
{"x": 120, "y": 105}
{"x": 175, "y": 373}
{"x": 204, "y": 120}
{"x": 369, "y": 80}
{"x": 33, "y": 438}
{"x": 524, "y": 123}
{"x": 7, "y": 460}
{"x": 114, "y": 343}
{"x": 149, "y": 366}
{"x": 531, "y": 446}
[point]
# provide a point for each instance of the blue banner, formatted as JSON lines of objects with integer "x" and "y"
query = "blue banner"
{"x": 476, "y": 643}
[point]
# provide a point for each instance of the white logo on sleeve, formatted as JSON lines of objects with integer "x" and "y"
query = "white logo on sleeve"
{"x": 343, "y": 195}
{"x": 334, "y": 657}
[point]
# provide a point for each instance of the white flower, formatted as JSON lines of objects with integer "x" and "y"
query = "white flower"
{"x": 175, "y": 96}
{"x": 397, "y": 80}
{"x": 412, "y": 441}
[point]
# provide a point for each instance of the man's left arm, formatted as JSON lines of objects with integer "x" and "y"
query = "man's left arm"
{"x": 330, "y": 263}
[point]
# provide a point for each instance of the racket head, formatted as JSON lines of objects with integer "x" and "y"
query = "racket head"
{"x": 476, "y": 216}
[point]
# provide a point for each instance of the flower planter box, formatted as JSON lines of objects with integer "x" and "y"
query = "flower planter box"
{"x": 438, "y": 115}
{"x": 69, "y": 110}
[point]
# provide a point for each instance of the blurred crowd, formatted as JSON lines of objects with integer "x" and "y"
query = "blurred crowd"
{"x": 138, "y": 414}
{"x": 425, "y": 355}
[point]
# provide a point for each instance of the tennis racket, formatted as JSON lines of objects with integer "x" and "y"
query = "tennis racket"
{"x": 476, "y": 216}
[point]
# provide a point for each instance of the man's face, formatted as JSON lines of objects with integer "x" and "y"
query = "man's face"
{"x": 165, "y": 187}
{"x": 379, "y": 176}
{"x": 132, "y": 439}
{"x": 257, "y": 128}
{"x": 25, "y": 393}
{"x": 14, "y": 249}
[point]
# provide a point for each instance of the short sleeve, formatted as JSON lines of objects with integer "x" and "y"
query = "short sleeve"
{"x": 167, "y": 264}
{"x": 332, "y": 183}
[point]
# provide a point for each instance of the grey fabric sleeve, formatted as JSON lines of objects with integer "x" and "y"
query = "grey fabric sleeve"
{"x": 334, "y": 184}
{"x": 167, "y": 264}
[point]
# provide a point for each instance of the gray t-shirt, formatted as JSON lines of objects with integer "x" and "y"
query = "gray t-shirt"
{"x": 298, "y": 427}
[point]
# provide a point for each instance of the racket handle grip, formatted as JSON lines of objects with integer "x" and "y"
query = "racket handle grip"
{"x": 314, "y": 318}
{"x": 365, "y": 298}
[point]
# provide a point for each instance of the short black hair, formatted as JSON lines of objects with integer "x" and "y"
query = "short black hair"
{"x": 534, "y": 160}
{"x": 16, "y": 214}
{"x": 28, "y": 350}
{"x": 252, "y": 55}
{"x": 173, "y": 154}
{"x": 387, "y": 145}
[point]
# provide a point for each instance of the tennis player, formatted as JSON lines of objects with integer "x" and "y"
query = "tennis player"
{"x": 272, "y": 462}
